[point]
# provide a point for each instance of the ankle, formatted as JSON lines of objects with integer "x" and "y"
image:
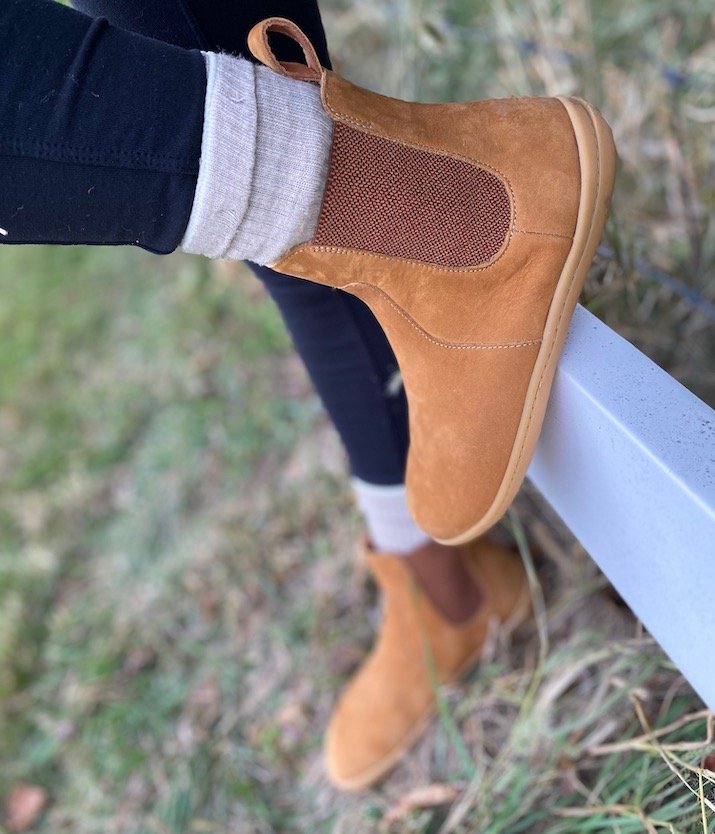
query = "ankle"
{"x": 446, "y": 581}
{"x": 264, "y": 160}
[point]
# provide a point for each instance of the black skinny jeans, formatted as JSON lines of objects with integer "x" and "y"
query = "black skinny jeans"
{"x": 100, "y": 140}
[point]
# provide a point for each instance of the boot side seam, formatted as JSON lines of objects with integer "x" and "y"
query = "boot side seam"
{"x": 434, "y": 339}
{"x": 542, "y": 234}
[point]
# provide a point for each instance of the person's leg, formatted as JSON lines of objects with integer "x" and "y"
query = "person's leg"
{"x": 355, "y": 372}
{"x": 101, "y": 131}
{"x": 108, "y": 135}
{"x": 341, "y": 344}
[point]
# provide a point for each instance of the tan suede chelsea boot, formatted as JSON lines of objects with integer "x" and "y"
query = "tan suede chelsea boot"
{"x": 468, "y": 229}
{"x": 386, "y": 706}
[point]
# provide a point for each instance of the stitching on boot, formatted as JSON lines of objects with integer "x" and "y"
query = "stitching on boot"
{"x": 434, "y": 339}
{"x": 542, "y": 234}
{"x": 309, "y": 247}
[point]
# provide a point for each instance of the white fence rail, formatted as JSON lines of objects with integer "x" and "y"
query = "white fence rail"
{"x": 627, "y": 459}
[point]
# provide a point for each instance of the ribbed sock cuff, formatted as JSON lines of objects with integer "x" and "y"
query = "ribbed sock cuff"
{"x": 228, "y": 155}
{"x": 264, "y": 163}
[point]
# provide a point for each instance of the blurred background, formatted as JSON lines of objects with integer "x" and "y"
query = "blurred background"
{"x": 179, "y": 595}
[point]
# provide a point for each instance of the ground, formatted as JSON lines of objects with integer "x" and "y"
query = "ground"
{"x": 180, "y": 600}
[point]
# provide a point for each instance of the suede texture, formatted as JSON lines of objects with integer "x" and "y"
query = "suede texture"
{"x": 528, "y": 142}
{"x": 466, "y": 339}
{"x": 383, "y": 708}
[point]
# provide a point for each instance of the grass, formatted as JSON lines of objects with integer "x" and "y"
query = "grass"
{"x": 179, "y": 601}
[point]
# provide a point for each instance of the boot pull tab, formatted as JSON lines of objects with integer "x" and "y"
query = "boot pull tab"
{"x": 312, "y": 70}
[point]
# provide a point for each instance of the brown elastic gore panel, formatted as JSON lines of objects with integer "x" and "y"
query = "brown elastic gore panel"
{"x": 392, "y": 199}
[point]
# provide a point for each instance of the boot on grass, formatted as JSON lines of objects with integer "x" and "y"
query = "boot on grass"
{"x": 430, "y": 634}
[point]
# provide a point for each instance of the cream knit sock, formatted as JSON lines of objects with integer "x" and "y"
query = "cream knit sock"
{"x": 264, "y": 161}
{"x": 389, "y": 523}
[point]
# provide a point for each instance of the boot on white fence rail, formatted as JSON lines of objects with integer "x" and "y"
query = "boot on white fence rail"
{"x": 627, "y": 459}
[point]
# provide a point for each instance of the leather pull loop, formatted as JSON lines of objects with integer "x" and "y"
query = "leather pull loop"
{"x": 312, "y": 70}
